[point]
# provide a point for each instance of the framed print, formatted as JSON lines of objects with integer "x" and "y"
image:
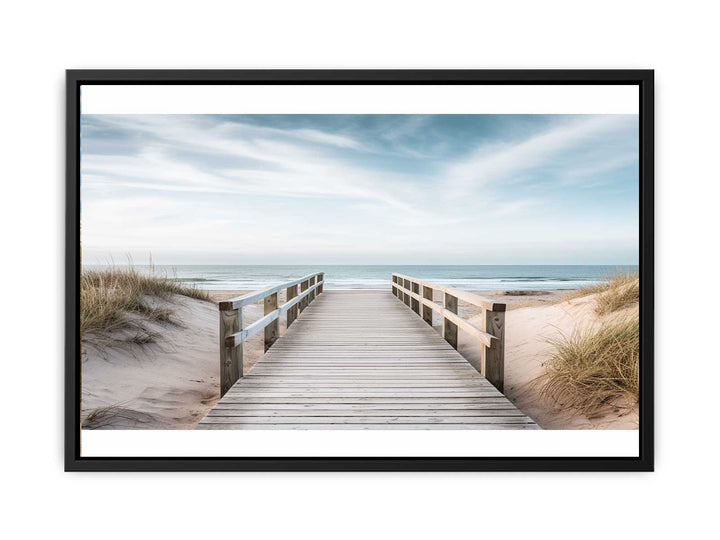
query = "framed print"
{"x": 359, "y": 270}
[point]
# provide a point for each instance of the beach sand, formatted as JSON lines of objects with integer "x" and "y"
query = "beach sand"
{"x": 516, "y": 299}
{"x": 173, "y": 383}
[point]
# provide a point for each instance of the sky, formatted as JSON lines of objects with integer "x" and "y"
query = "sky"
{"x": 360, "y": 189}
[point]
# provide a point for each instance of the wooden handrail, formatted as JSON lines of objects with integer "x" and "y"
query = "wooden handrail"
{"x": 455, "y": 319}
{"x": 408, "y": 290}
{"x": 251, "y": 298}
{"x": 466, "y": 296}
{"x": 233, "y": 335}
{"x": 233, "y": 340}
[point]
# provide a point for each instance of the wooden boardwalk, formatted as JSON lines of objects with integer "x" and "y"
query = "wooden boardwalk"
{"x": 363, "y": 360}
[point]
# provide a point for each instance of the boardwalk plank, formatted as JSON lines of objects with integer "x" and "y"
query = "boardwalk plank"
{"x": 363, "y": 360}
{"x": 378, "y": 426}
{"x": 389, "y": 413}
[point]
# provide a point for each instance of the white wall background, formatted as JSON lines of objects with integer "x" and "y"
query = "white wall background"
{"x": 39, "y": 41}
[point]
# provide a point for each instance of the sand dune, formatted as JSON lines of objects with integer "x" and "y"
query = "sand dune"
{"x": 169, "y": 384}
{"x": 526, "y": 350}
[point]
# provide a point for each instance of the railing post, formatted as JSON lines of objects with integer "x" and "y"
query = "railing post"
{"x": 393, "y": 288}
{"x": 272, "y": 329}
{"x": 415, "y": 303}
{"x": 304, "y": 302}
{"x": 450, "y": 329}
{"x": 320, "y": 278}
{"x": 426, "y": 310}
{"x": 406, "y": 296}
{"x": 311, "y": 296}
{"x": 231, "y": 358}
{"x": 292, "y": 313}
{"x": 494, "y": 358}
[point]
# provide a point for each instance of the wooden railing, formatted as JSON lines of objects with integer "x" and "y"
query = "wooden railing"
{"x": 418, "y": 294}
{"x": 233, "y": 334}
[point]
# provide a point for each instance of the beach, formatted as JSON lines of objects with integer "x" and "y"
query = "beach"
{"x": 173, "y": 383}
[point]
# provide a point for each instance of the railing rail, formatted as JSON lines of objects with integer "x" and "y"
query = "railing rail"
{"x": 418, "y": 296}
{"x": 233, "y": 334}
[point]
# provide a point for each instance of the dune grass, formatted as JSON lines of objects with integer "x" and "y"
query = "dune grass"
{"x": 616, "y": 293}
{"x": 597, "y": 368}
{"x": 116, "y": 299}
{"x": 118, "y": 415}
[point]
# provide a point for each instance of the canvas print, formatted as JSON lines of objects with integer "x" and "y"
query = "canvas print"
{"x": 359, "y": 271}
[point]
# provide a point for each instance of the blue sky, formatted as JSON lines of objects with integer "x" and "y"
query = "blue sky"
{"x": 360, "y": 189}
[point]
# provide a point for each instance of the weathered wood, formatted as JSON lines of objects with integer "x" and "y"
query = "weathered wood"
{"x": 293, "y": 312}
{"x": 272, "y": 330}
{"x": 232, "y": 335}
{"x": 362, "y": 401}
{"x": 415, "y": 303}
{"x": 245, "y": 333}
{"x": 251, "y": 298}
{"x": 213, "y": 419}
{"x": 465, "y": 296}
{"x": 483, "y": 336}
{"x": 311, "y": 296}
{"x": 446, "y": 414}
{"x": 379, "y": 425}
{"x": 361, "y": 360}
{"x": 452, "y": 408}
{"x": 231, "y": 358}
{"x": 385, "y": 393}
{"x": 449, "y": 328}
{"x": 494, "y": 356}
{"x": 304, "y": 302}
{"x": 242, "y": 335}
{"x": 427, "y": 310}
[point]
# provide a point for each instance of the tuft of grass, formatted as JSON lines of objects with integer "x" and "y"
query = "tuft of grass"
{"x": 624, "y": 291}
{"x": 142, "y": 336}
{"x": 596, "y": 368}
{"x": 115, "y": 299}
{"x": 616, "y": 293}
{"x": 117, "y": 415}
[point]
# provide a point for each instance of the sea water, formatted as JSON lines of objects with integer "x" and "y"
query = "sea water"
{"x": 481, "y": 277}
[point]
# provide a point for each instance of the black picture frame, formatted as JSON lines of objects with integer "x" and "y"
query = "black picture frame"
{"x": 76, "y": 78}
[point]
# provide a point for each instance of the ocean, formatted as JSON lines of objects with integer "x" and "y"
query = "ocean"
{"x": 481, "y": 277}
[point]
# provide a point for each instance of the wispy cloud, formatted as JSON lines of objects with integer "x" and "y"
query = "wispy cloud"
{"x": 396, "y": 181}
{"x": 283, "y": 168}
{"x": 555, "y": 146}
